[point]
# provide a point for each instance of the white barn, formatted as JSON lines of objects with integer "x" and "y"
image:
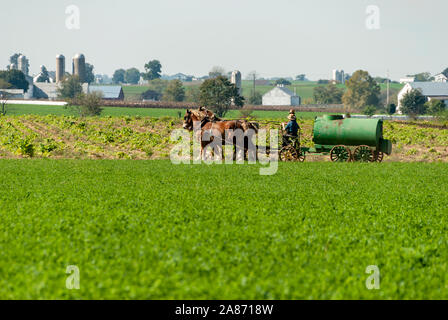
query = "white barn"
{"x": 431, "y": 90}
{"x": 281, "y": 96}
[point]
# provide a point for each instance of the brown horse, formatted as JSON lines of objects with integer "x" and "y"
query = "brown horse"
{"x": 211, "y": 127}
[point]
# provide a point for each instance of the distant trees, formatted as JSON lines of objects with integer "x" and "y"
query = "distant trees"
{"x": 151, "y": 95}
{"x": 217, "y": 71}
{"x": 90, "y": 76}
{"x": 445, "y": 72}
{"x": 362, "y": 91}
{"x": 132, "y": 76}
{"x": 391, "y": 109}
{"x": 70, "y": 88}
{"x": 153, "y": 70}
{"x": 44, "y": 76}
{"x": 301, "y": 77}
{"x": 4, "y": 84}
{"x": 192, "y": 94}
{"x": 219, "y": 94}
{"x": 15, "y": 78}
{"x": 283, "y": 81}
{"x": 435, "y": 107}
{"x": 322, "y": 81}
{"x": 329, "y": 94}
{"x": 422, "y": 77}
{"x": 118, "y": 76}
{"x": 175, "y": 91}
{"x": 88, "y": 104}
{"x": 256, "y": 98}
{"x": 413, "y": 103}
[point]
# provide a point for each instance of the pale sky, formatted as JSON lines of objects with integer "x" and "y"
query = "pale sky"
{"x": 275, "y": 37}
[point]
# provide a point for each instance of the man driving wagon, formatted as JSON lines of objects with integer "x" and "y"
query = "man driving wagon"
{"x": 291, "y": 130}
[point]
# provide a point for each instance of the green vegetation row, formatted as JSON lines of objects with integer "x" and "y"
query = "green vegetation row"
{"x": 142, "y": 137}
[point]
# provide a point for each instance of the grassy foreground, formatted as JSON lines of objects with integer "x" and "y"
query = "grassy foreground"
{"x": 150, "y": 230}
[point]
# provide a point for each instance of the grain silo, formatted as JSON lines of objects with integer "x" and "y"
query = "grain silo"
{"x": 79, "y": 67}
{"x": 22, "y": 64}
{"x": 236, "y": 80}
{"x": 60, "y": 68}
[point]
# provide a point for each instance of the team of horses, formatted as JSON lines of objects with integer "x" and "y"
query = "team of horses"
{"x": 207, "y": 127}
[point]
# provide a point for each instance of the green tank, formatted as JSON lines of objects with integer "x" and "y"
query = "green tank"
{"x": 331, "y": 130}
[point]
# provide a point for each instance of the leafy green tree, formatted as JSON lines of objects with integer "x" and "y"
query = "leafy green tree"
{"x": 158, "y": 85}
{"x": 90, "y": 76}
{"x": 217, "y": 71}
{"x": 329, "y": 94}
{"x": 151, "y": 95}
{"x": 44, "y": 77}
{"x": 5, "y": 84}
{"x": 283, "y": 82}
{"x": 435, "y": 107}
{"x": 132, "y": 76}
{"x": 413, "y": 103}
{"x": 422, "y": 77}
{"x": 362, "y": 90}
{"x": 256, "y": 98}
{"x": 153, "y": 70}
{"x": 118, "y": 76}
{"x": 175, "y": 91}
{"x": 301, "y": 77}
{"x": 16, "y": 78}
{"x": 88, "y": 104}
{"x": 192, "y": 94}
{"x": 369, "y": 110}
{"x": 70, "y": 88}
{"x": 219, "y": 94}
{"x": 445, "y": 72}
{"x": 391, "y": 109}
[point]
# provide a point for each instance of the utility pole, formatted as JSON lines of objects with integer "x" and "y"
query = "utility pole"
{"x": 254, "y": 84}
{"x": 388, "y": 87}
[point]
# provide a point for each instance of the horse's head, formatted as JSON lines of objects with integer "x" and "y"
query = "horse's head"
{"x": 246, "y": 125}
{"x": 189, "y": 119}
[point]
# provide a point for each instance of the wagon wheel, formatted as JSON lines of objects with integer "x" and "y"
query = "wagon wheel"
{"x": 378, "y": 156}
{"x": 301, "y": 155}
{"x": 340, "y": 154}
{"x": 288, "y": 153}
{"x": 363, "y": 154}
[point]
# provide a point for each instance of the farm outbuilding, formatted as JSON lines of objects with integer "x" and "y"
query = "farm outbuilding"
{"x": 109, "y": 92}
{"x": 431, "y": 91}
{"x": 281, "y": 96}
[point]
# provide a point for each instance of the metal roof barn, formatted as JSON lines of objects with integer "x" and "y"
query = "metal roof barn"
{"x": 109, "y": 92}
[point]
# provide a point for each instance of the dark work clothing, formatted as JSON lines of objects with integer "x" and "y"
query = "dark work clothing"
{"x": 292, "y": 128}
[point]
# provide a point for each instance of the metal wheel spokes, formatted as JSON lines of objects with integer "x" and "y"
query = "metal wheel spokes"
{"x": 363, "y": 154}
{"x": 340, "y": 154}
{"x": 288, "y": 153}
{"x": 301, "y": 155}
{"x": 379, "y": 156}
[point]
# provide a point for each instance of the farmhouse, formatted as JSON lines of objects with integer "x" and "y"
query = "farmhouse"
{"x": 281, "y": 96}
{"x": 440, "y": 78}
{"x": 431, "y": 90}
{"x": 109, "y": 92}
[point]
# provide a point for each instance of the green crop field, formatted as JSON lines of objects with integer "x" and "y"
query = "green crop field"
{"x": 153, "y": 230}
{"x": 143, "y": 112}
